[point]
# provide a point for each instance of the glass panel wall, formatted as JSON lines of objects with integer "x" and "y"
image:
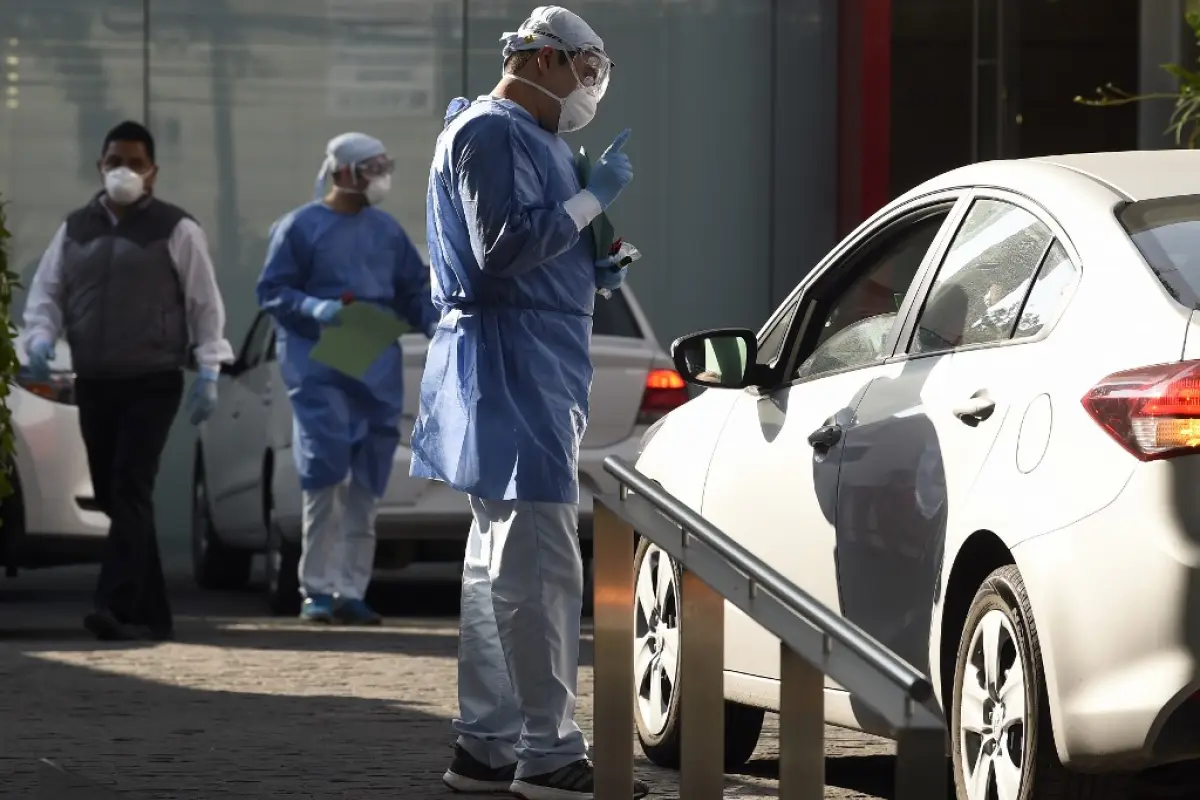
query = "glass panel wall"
{"x": 71, "y": 69}
{"x": 242, "y": 96}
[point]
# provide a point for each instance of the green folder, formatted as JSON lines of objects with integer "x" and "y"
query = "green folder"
{"x": 602, "y": 228}
{"x": 362, "y": 333}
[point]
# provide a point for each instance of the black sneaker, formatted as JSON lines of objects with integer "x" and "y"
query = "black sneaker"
{"x": 469, "y": 774}
{"x": 572, "y": 782}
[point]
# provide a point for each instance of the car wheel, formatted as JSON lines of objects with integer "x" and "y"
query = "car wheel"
{"x": 657, "y": 623}
{"x": 1002, "y": 738}
{"x": 283, "y": 571}
{"x": 214, "y": 565}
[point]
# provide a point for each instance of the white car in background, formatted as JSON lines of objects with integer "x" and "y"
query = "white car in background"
{"x": 973, "y": 430}
{"x": 246, "y": 497}
{"x": 52, "y": 519}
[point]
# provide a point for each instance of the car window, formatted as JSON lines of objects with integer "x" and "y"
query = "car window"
{"x": 771, "y": 344}
{"x": 982, "y": 283}
{"x": 859, "y": 319}
{"x": 257, "y": 341}
{"x": 614, "y": 317}
{"x": 1167, "y": 233}
{"x": 1055, "y": 280}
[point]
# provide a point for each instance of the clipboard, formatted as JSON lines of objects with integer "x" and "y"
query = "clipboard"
{"x": 361, "y": 335}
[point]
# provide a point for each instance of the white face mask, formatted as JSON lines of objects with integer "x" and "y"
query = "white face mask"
{"x": 578, "y": 108}
{"x": 124, "y": 186}
{"x": 377, "y": 189}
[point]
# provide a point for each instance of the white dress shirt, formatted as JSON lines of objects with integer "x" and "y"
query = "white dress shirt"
{"x": 204, "y": 308}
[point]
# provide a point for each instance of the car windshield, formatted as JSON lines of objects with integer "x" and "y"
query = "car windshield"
{"x": 1167, "y": 233}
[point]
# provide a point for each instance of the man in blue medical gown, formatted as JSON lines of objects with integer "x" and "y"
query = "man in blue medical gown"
{"x": 504, "y": 400}
{"x": 345, "y": 431}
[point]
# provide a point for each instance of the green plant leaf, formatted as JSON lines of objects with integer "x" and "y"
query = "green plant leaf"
{"x": 1184, "y": 123}
{"x": 1190, "y": 81}
{"x": 1193, "y": 21}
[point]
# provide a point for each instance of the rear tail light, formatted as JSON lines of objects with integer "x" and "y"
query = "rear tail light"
{"x": 1153, "y": 412}
{"x": 665, "y": 392}
{"x": 58, "y": 388}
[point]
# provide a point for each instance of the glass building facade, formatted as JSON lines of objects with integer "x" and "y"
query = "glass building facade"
{"x": 732, "y": 105}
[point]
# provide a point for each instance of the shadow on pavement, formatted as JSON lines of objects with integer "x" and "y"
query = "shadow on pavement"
{"x": 330, "y": 716}
{"x": 420, "y": 620}
{"x": 871, "y": 775}
{"x": 156, "y": 740}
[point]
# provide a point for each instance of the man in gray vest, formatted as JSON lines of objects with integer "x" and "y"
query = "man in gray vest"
{"x": 129, "y": 282}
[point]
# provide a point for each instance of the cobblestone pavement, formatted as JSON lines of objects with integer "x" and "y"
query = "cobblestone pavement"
{"x": 248, "y": 706}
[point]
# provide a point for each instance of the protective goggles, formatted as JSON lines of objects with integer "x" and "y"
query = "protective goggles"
{"x": 591, "y": 66}
{"x": 376, "y": 167}
{"x": 593, "y": 69}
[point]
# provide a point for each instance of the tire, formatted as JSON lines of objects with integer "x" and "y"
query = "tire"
{"x": 657, "y": 636}
{"x": 12, "y": 529}
{"x": 214, "y": 565}
{"x": 1022, "y": 757}
{"x": 283, "y": 571}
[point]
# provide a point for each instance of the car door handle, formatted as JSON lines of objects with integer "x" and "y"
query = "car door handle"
{"x": 825, "y": 437}
{"x": 975, "y": 410}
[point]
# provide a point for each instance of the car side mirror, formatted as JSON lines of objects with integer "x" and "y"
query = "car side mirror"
{"x": 724, "y": 358}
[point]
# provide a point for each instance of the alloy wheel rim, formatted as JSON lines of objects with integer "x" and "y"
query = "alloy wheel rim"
{"x": 656, "y": 643}
{"x": 992, "y": 712}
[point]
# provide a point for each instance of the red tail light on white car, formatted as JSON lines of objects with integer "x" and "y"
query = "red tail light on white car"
{"x": 665, "y": 391}
{"x": 58, "y": 387}
{"x": 1153, "y": 412}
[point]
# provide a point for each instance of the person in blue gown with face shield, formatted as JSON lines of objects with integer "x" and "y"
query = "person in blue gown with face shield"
{"x": 342, "y": 247}
{"x": 504, "y": 397}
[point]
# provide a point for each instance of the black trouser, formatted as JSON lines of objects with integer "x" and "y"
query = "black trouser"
{"x": 125, "y": 423}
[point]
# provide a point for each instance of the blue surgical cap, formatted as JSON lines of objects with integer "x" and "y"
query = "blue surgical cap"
{"x": 346, "y": 150}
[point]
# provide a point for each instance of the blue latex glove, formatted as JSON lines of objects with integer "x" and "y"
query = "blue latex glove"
{"x": 608, "y": 279}
{"x": 202, "y": 400}
{"x": 41, "y": 353}
{"x": 323, "y": 311}
{"x": 612, "y": 172}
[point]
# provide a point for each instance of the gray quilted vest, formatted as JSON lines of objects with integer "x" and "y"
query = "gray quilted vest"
{"x": 123, "y": 306}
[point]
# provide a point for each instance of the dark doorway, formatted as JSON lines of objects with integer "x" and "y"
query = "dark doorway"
{"x": 980, "y": 79}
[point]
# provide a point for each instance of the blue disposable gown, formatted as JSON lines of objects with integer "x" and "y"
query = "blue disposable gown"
{"x": 504, "y": 398}
{"x": 342, "y": 425}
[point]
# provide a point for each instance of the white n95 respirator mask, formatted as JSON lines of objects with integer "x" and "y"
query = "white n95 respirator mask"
{"x": 578, "y": 108}
{"x": 124, "y": 186}
{"x": 377, "y": 189}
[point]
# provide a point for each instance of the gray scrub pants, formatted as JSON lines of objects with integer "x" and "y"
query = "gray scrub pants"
{"x": 518, "y": 669}
{"x": 338, "y": 553}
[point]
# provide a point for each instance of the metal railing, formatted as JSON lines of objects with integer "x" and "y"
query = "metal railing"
{"x": 814, "y": 642}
